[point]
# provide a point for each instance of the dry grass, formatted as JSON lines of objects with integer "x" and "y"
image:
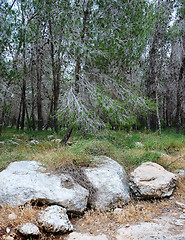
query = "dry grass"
{"x": 12, "y": 217}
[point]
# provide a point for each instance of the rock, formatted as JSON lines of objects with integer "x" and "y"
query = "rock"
{"x": 150, "y": 180}
{"x": 8, "y": 230}
{"x": 13, "y": 142}
{"x": 179, "y": 204}
{"x": 179, "y": 222}
{"x": 29, "y": 229}
{"x": 56, "y": 140}
{"x": 12, "y": 216}
{"x": 8, "y": 237}
{"x": 181, "y": 172}
{"x": 139, "y": 144}
{"x": 182, "y": 216}
{"x": 33, "y": 142}
{"x": 162, "y": 154}
{"x": 109, "y": 180}
{"x": 118, "y": 211}
{"x": 2, "y": 143}
{"x": 85, "y": 236}
{"x": 25, "y": 181}
{"x": 149, "y": 231}
{"x": 51, "y": 136}
{"x": 54, "y": 219}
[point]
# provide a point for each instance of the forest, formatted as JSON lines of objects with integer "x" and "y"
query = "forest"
{"x": 92, "y": 64}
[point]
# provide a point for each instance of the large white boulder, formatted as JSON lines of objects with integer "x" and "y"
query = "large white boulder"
{"x": 109, "y": 180}
{"x": 55, "y": 219}
{"x": 24, "y": 181}
{"x": 150, "y": 180}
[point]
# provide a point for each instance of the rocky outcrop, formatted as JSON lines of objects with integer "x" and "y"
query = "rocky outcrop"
{"x": 109, "y": 180}
{"x": 25, "y": 181}
{"x": 55, "y": 219}
{"x": 151, "y": 180}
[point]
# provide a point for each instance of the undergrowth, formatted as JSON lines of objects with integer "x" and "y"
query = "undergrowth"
{"x": 118, "y": 145}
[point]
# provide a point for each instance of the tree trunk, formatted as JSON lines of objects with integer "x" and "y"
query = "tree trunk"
{"x": 39, "y": 84}
{"x": 67, "y": 135}
{"x": 56, "y": 76}
{"x": 24, "y": 71}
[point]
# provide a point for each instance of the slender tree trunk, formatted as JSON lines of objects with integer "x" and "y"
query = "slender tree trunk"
{"x": 157, "y": 114}
{"x": 56, "y": 76}
{"x": 33, "y": 126}
{"x": 39, "y": 84}
{"x": 180, "y": 85}
{"x": 24, "y": 72}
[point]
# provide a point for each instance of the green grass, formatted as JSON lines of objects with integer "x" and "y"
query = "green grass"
{"x": 118, "y": 145}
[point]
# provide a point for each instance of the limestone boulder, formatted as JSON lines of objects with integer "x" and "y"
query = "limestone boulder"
{"x": 150, "y": 180}
{"x": 55, "y": 219}
{"x": 109, "y": 180}
{"x": 25, "y": 181}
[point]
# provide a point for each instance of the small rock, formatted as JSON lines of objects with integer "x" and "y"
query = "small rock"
{"x": 33, "y": 142}
{"x": 56, "y": 140}
{"x": 8, "y": 237}
{"x": 12, "y": 216}
{"x": 172, "y": 198}
{"x": 179, "y": 223}
{"x": 8, "y": 230}
{"x": 2, "y": 143}
{"x": 182, "y": 216}
{"x": 118, "y": 211}
{"x": 54, "y": 219}
{"x": 12, "y": 142}
{"x": 181, "y": 172}
{"x": 139, "y": 144}
{"x": 184, "y": 210}
{"x": 80, "y": 236}
{"x": 29, "y": 229}
{"x": 179, "y": 204}
{"x": 51, "y": 136}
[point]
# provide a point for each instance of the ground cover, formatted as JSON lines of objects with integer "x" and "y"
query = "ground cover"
{"x": 168, "y": 150}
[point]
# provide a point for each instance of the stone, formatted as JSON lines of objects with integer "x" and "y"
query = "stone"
{"x": 26, "y": 181}
{"x": 8, "y": 230}
{"x": 85, "y": 236}
{"x": 33, "y": 142}
{"x": 150, "y": 180}
{"x": 2, "y": 143}
{"x": 8, "y": 237}
{"x": 118, "y": 211}
{"x": 51, "y": 136}
{"x": 13, "y": 142}
{"x": 179, "y": 204}
{"x": 179, "y": 222}
{"x": 55, "y": 219}
{"x": 29, "y": 229}
{"x": 109, "y": 180}
{"x": 12, "y": 216}
{"x": 181, "y": 172}
{"x": 182, "y": 216}
{"x": 139, "y": 144}
{"x": 162, "y": 154}
{"x": 56, "y": 140}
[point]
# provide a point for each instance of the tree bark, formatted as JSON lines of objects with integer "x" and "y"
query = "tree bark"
{"x": 39, "y": 84}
